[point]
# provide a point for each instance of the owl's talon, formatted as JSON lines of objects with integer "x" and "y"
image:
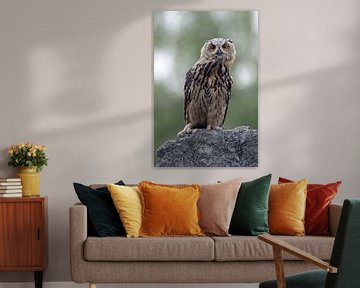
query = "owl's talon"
{"x": 187, "y": 129}
{"x": 209, "y": 127}
{"x": 180, "y": 133}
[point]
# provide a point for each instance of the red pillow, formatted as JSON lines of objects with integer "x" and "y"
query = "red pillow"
{"x": 319, "y": 197}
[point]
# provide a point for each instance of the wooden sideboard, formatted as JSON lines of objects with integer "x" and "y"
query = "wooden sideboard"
{"x": 23, "y": 235}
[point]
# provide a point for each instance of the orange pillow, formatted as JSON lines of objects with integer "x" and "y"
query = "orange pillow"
{"x": 169, "y": 210}
{"x": 318, "y": 199}
{"x": 287, "y": 204}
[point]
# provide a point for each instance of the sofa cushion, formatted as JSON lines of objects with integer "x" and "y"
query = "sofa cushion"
{"x": 244, "y": 248}
{"x": 149, "y": 249}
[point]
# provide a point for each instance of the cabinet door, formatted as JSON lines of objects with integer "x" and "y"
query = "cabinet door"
{"x": 21, "y": 234}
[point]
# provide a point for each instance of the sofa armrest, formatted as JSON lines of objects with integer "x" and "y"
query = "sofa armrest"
{"x": 334, "y": 217}
{"x": 78, "y": 235}
{"x": 279, "y": 246}
{"x": 284, "y": 246}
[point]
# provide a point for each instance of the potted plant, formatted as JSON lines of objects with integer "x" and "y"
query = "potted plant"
{"x": 30, "y": 158}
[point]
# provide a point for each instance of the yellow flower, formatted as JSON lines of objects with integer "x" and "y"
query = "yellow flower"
{"x": 27, "y": 153}
{"x": 41, "y": 147}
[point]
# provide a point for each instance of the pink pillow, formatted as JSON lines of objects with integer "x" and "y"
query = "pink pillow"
{"x": 216, "y": 206}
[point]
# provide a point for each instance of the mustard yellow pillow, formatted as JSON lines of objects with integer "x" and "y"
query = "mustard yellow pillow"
{"x": 287, "y": 204}
{"x": 127, "y": 201}
{"x": 169, "y": 210}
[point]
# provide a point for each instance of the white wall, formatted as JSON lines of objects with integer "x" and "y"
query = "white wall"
{"x": 77, "y": 77}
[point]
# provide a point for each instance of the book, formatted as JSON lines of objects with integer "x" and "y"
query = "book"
{"x": 10, "y": 180}
{"x": 9, "y": 183}
{"x": 10, "y": 187}
{"x": 5, "y": 195}
{"x": 10, "y": 191}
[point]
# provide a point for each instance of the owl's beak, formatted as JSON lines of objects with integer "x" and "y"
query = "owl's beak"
{"x": 219, "y": 52}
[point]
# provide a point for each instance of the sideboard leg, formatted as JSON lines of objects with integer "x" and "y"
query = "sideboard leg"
{"x": 92, "y": 285}
{"x": 38, "y": 279}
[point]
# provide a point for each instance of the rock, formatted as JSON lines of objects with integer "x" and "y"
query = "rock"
{"x": 211, "y": 148}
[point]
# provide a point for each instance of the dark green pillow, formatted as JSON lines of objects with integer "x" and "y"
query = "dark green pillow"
{"x": 103, "y": 218}
{"x": 250, "y": 216}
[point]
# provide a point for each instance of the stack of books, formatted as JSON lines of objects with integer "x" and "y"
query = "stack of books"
{"x": 10, "y": 187}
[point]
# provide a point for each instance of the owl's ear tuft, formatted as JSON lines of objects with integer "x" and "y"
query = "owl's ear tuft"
{"x": 230, "y": 40}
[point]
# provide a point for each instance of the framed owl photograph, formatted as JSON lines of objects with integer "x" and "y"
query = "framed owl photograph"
{"x": 205, "y": 88}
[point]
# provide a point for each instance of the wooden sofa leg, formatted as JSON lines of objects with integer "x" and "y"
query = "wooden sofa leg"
{"x": 279, "y": 267}
{"x": 92, "y": 285}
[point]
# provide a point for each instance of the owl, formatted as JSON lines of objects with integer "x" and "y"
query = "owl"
{"x": 208, "y": 85}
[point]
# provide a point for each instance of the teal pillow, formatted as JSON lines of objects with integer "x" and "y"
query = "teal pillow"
{"x": 250, "y": 216}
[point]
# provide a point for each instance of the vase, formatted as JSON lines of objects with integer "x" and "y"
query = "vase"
{"x": 30, "y": 181}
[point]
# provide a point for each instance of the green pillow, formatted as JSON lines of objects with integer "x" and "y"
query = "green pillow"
{"x": 103, "y": 218}
{"x": 250, "y": 216}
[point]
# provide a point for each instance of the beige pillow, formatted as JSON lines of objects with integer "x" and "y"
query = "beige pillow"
{"x": 216, "y": 206}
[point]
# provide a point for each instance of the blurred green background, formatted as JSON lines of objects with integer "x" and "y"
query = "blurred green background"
{"x": 178, "y": 38}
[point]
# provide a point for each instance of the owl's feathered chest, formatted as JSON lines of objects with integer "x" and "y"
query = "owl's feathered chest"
{"x": 207, "y": 92}
{"x": 208, "y": 80}
{"x": 209, "y": 74}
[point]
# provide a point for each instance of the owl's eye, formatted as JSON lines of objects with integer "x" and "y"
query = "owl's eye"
{"x": 212, "y": 47}
{"x": 225, "y": 46}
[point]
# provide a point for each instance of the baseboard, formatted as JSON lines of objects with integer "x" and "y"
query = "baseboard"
{"x": 74, "y": 285}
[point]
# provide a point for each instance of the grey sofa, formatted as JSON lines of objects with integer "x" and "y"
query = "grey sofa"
{"x": 234, "y": 259}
